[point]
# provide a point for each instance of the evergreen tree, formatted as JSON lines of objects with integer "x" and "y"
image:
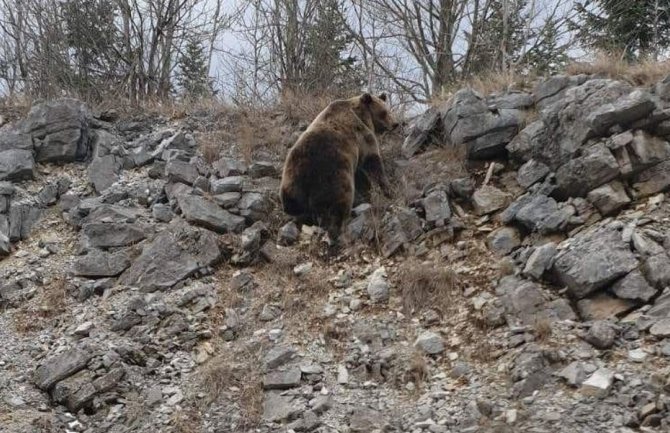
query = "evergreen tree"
{"x": 193, "y": 77}
{"x": 547, "y": 56}
{"x": 328, "y": 67}
{"x": 635, "y": 28}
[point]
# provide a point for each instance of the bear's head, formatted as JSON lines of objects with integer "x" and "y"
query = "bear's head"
{"x": 380, "y": 115}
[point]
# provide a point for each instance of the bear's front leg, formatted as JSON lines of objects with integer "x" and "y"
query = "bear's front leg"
{"x": 374, "y": 168}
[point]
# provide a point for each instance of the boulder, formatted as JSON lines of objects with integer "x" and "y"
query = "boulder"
{"x": 422, "y": 131}
{"x": 636, "y": 105}
{"x": 181, "y": 171}
{"x": 656, "y": 269}
{"x": 60, "y": 130}
{"x": 99, "y": 263}
{"x": 200, "y": 211}
{"x": 5, "y": 246}
{"x": 16, "y": 164}
{"x": 22, "y": 218}
{"x": 652, "y": 180}
{"x": 262, "y": 169}
{"x": 540, "y": 260}
{"x": 60, "y": 367}
{"x": 488, "y": 199}
{"x": 609, "y": 199}
{"x": 436, "y": 207}
{"x": 12, "y": 138}
{"x": 531, "y": 172}
{"x": 634, "y": 287}
{"x": 103, "y": 172}
{"x": 400, "y": 226}
{"x": 595, "y": 167}
{"x": 113, "y": 234}
{"x": 504, "y": 240}
{"x": 174, "y": 255}
{"x": 525, "y": 303}
{"x": 593, "y": 261}
{"x": 542, "y": 214}
{"x": 468, "y": 120}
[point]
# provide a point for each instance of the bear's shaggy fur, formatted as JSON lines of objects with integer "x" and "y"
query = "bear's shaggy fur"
{"x": 338, "y": 150}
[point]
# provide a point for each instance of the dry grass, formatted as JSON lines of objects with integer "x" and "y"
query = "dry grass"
{"x": 186, "y": 421}
{"x": 228, "y": 376}
{"x": 542, "y": 329}
{"x": 426, "y": 286}
{"x": 488, "y": 83}
{"x": 50, "y": 304}
{"x": 614, "y": 66}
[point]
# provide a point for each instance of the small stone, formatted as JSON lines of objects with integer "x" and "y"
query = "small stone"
{"x": 511, "y": 416}
{"x": 378, "y": 287}
{"x": 282, "y": 379}
{"x": 661, "y": 328}
{"x": 311, "y": 369}
{"x": 665, "y": 349}
{"x": 540, "y": 260}
{"x": 488, "y": 199}
{"x": 599, "y": 383}
{"x": 175, "y": 398}
{"x": 637, "y": 355}
{"x": 430, "y": 343}
{"x": 342, "y": 375}
{"x": 574, "y": 373}
{"x": 278, "y": 356}
{"x": 84, "y": 329}
{"x": 601, "y": 335}
{"x": 288, "y": 234}
{"x": 270, "y": 312}
{"x": 154, "y": 396}
{"x": 504, "y": 240}
{"x": 302, "y": 269}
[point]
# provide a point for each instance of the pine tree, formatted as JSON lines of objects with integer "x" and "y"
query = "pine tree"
{"x": 193, "y": 77}
{"x": 328, "y": 67}
{"x": 635, "y": 28}
{"x": 547, "y": 56}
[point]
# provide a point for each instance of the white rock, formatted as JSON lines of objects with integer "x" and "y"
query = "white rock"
{"x": 342, "y": 375}
{"x": 378, "y": 287}
{"x": 598, "y": 383}
{"x": 637, "y": 355}
{"x": 430, "y": 342}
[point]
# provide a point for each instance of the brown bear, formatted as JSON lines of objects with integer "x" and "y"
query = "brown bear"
{"x": 336, "y": 151}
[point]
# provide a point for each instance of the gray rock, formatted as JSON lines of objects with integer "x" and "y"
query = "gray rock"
{"x": 634, "y": 287}
{"x": 4, "y": 225}
{"x": 595, "y": 167}
{"x": 278, "y": 356}
{"x": 78, "y": 397}
{"x": 504, "y": 240}
{"x": 542, "y": 214}
{"x": 656, "y": 269}
{"x": 22, "y": 218}
{"x": 60, "y": 130}
{"x": 661, "y": 328}
{"x": 16, "y": 164}
{"x": 12, "y": 138}
{"x": 181, "y": 171}
{"x": 254, "y": 206}
{"x": 609, "y": 199}
{"x": 227, "y": 184}
{"x": 468, "y": 120}
{"x": 288, "y": 234}
{"x": 636, "y": 105}
{"x": 5, "y": 246}
{"x": 98, "y": 263}
{"x": 200, "y": 211}
{"x": 513, "y": 99}
{"x": 652, "y": 180}
{"x": 60, "y": 367}
{"x": 282, "y": 379}
{"x": 601, "y": 335}
{"x": 364, "y": 420}
{"x": 436, "y": 206}
{"x": 599, "y": 383}
{"x": 262, "y": 169}
{"x": 547, "y": 91}
{"x": 430, "y": 343}
{"x": 277, "y": 408}
{"x": 525, "y": 304}
{"x": 462, "y": 187}
{"x": 174, "y": 255}
{"x": 421, "y": 132}
{"x": 103, "y": 172}
{"x": 531, "y": 172}
{"x": 162, "y": 212}
{"x": 229, "y": 167}
{"x": 540, "y": 260}
{"x": 378, "y": 286}
{"x": 400, "y": 226}
{"x": 488, "y": 199}
{"x": 574, "y": 373}
{"x": 603, "y": 307}
{"x": 227, "y": 200}
{"x": 593, "y": 261}
{"x": 646, "y": 150}
{"x": 107, "y": 235}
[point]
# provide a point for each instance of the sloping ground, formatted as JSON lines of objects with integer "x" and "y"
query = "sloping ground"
{"x": 146, "y": 283}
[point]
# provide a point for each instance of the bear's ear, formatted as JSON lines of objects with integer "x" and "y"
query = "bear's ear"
{"x": 383, "y": 97}
{"x": 366, "y": 98}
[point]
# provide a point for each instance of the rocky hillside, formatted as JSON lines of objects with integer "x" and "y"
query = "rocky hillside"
{"x": 518, "y": 282}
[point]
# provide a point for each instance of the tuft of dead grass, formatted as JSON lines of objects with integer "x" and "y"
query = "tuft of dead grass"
{"x": 424, "y": 285}
{"x": 51, "y": 303}
{"x": 488, "y": 83}
{"x": 643, "y": 73}
{"x": 228, "y": 375}
{"x": 542, "y": 329}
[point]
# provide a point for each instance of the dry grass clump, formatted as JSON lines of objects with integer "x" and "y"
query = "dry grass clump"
{"x": 51, "y": 303}
{"x": 424, "y": 285}
{"x": 228, "y": 375}
{"x": 542, "y": 329}
{"x": 643, "y": 73}
{"x": 488, "y": 83}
